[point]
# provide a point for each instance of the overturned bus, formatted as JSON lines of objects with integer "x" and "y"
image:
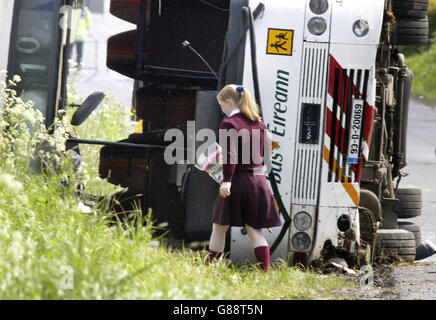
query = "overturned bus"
{"x": 334, "y": 92}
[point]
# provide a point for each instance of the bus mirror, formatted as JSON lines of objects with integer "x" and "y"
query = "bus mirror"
{"x": 87, "y": 107}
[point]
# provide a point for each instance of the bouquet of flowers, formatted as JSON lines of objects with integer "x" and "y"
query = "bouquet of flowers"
{"x": 211, "y": 162}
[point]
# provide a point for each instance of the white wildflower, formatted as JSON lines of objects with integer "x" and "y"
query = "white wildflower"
{"x": 17, "y": 249}
{"x": 9, "y": 181}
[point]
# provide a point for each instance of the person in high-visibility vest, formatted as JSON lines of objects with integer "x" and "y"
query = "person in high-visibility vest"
{"x": 83, "y": 27}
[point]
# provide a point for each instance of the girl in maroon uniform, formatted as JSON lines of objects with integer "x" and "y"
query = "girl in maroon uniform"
{"x": 244, "y": 198}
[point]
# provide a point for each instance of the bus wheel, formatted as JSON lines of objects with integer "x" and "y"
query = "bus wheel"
{"x": 412, "y": 227}
{"x": 369, "y": 200}
{"x": 410, "y": 8}
{"x": 393, "y": 243}
{"x": 368, "y": 229}
{"x": 410, "y": 197}
{"x": 411, "y": 31}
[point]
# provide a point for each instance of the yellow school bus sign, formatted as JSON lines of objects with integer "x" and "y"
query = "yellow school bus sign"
{"x": 280, "y": 41}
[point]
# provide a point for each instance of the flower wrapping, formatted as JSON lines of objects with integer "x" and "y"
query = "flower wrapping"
{"x": 211, "y": 162}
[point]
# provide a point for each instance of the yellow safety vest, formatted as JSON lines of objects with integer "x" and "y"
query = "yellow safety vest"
{"x": 85, "y": 23}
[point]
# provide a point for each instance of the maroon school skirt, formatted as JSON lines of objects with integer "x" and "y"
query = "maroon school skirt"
{"x": 251, "y": 202}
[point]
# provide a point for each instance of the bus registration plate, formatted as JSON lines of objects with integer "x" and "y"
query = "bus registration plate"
{"x": 355, "y": 131}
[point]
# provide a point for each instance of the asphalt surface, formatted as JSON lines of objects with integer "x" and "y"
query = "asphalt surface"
{"x": 421, "y": 159}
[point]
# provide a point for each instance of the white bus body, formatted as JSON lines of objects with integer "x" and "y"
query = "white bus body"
{"x": 6, "y": 13}
{"x": 308, "y": 77}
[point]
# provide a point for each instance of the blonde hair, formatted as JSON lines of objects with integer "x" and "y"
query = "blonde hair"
{"x": 243, "y": 101}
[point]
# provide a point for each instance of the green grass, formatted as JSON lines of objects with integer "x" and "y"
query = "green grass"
{"x": 43, "y": 236}
{"x": 421, "y": 60}
{"x": 50, "y": 250}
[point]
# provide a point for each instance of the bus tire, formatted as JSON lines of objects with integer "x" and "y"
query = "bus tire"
{"x": 396, "y": 242}
{"x": 412, "y": 227}
{"x": 410, "y": 197}
{"x": 411, "y": 31}
{"x": 409, "y": 189}
{"x": 410, "y": 8}
{"x": 408, "y": 213}
{"x": 410, "y": 204}
{"x": 369, "y": 200}
{"x": 408, "y": 40}
{"x": 413, "y": 23}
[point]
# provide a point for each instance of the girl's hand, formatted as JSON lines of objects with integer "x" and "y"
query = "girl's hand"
{"x": 225, "y": 189}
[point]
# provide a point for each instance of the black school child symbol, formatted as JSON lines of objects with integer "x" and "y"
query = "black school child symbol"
{"x": 280, "y": 41}
{"x": 282, "y": 36}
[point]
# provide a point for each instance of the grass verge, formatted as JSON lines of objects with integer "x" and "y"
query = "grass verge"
{"x": 50, "y": 250}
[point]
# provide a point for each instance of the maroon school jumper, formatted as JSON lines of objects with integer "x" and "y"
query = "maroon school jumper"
{"x": 251, "y": 201}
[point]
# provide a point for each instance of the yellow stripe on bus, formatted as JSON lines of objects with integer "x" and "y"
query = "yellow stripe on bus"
{"x": 351, "y": 190}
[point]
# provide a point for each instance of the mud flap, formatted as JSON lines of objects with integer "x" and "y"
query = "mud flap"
{"x": 202, "y": 190}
